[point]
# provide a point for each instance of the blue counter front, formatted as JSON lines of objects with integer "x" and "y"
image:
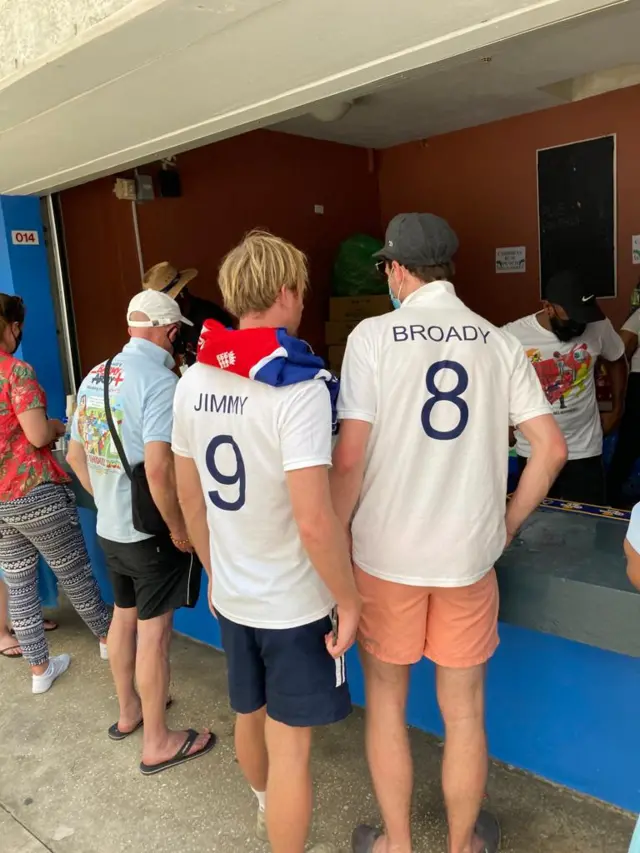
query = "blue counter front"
{"x": 564, "y": 710}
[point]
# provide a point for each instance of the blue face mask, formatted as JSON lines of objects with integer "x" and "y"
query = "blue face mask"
{"x": 395, "y": 300}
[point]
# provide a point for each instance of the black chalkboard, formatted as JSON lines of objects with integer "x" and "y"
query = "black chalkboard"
{"x": 576, "y": 212}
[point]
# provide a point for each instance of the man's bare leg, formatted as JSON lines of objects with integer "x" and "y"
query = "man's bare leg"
{"x": 251, "y": 748}
{"x": 121, "y": 642}
{"x": 465, "y": 764}
{"x": 152, "y": 674}
{"x": 289, "y": 795}
{"x": 251, "y": 752}
{"x": 388, "y": 749}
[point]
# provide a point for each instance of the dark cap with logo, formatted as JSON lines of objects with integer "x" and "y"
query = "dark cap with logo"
{"x": 572, "y": 292}
{"x": 419, "y": 240}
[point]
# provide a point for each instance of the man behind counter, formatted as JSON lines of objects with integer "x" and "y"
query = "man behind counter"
{"x": 167, "y": 279}
{"x": 564, "y": 341}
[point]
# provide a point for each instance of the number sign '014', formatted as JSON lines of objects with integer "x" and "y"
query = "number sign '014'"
{"x": 25, "y": 238}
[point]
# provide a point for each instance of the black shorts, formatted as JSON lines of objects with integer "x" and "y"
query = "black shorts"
{"x": 580, "y": 481}
{"x": 289, "y": 670}
{"x": 152, "y": 575}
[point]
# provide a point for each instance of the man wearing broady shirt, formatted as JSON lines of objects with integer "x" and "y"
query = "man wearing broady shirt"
{"x": 420, "y": 480}
{"x": 564, "y": 341}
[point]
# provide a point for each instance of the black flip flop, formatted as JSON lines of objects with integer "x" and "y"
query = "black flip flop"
{"x": 363, "y": 838}
{"x": 115, "y": 733}
{"x": 10, "y": 649}
{"x": 182, "y": 755}
{"x": 488, "y": 831}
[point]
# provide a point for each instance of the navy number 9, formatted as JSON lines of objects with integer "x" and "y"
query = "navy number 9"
{"x": 453, "y": 396}
{"x": 239, "y": 476}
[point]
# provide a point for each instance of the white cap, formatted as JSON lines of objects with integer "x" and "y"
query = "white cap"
{"x": 161, "y": 310}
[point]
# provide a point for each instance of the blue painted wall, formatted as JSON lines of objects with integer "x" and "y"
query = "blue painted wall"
{"x": 563, "y": 710}
{"x": 24, "y": 272}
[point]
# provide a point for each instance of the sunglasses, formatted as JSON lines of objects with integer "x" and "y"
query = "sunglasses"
{"x": 381, "y": 266}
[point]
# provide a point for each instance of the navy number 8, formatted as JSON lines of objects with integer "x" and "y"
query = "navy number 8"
{"x": 453, "y": 396}
{"x": 239, "y": 476}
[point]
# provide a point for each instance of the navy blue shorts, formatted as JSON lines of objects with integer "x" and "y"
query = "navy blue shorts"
{"x": 289, "y": 670}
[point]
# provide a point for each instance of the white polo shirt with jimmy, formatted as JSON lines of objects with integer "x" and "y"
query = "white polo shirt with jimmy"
{"x": 244, "y": 437}
{"x": 440, "y": 386}
{"x": 566, "y": 372}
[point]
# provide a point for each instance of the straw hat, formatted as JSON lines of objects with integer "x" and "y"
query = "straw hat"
{"x": 165, "y": 278}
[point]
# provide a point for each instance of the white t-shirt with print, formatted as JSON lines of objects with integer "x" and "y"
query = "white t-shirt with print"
{"x": 244, "y": 436}
{"x": 566, "y": 371}
{"x": 633, "y": 325}
{"x": 440, "y": 385}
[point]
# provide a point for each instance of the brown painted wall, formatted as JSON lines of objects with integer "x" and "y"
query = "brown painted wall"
{"x": 101, "y": 255}
{"x": 262, "y": 178}
{"x": 484, "y": 181}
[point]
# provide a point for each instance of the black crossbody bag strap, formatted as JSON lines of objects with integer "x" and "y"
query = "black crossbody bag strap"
{"x": 112, "y": 427}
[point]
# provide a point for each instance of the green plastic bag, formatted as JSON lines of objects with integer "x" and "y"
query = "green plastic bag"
{"x": 354, "y": 271}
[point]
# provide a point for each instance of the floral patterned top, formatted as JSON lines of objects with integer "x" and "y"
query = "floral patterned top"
{"x": 22, "y": 466}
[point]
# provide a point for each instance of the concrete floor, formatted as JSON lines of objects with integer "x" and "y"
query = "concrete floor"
{"x": 64, "y": 787}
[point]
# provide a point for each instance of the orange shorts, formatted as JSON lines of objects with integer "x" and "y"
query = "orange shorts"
{"x": 452, "y": 626}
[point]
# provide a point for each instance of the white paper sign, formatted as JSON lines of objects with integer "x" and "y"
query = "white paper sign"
{"x": 511, "y": 259}
{"x": 25, "y": 238}
{"x": 635, "y": 248}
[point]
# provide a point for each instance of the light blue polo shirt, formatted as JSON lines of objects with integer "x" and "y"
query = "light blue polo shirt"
{"x": 141, "y": 390}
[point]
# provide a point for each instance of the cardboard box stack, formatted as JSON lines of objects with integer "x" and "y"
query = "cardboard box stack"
{"x": 345, "y": 312}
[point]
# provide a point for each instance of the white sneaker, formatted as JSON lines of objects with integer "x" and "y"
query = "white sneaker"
{"x": 261, "y": 826}
{"x": 104, "y": 651}
{"x": 57, "y": 665}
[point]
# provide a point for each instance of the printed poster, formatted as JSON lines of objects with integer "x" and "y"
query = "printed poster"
{"x": 635, "y": 248}
{"x": 102, "y": 454}
{"x": 511, "y": 259}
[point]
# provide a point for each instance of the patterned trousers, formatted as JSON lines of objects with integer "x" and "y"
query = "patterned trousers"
{"x": 46, "y": 521}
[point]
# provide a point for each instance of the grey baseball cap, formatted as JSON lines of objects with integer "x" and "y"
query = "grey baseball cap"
{"x": 419, "y": 240}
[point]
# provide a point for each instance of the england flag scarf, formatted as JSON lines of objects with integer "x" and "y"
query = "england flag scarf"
{"x": 266, "y": 355}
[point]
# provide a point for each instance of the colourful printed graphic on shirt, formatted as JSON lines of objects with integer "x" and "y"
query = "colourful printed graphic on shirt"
{"x": 92, "y": 420}
{"x": 564, "y": 374}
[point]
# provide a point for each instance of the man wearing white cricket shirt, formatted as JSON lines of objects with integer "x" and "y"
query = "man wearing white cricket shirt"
{"x": 252, "y": 439}
{"x": 420, "y": 477}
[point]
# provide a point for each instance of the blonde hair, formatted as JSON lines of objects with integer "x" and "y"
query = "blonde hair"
{"x": 253, "y": 274}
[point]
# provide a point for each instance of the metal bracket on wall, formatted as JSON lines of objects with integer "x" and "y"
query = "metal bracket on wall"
{"x": 55, "y": 249}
